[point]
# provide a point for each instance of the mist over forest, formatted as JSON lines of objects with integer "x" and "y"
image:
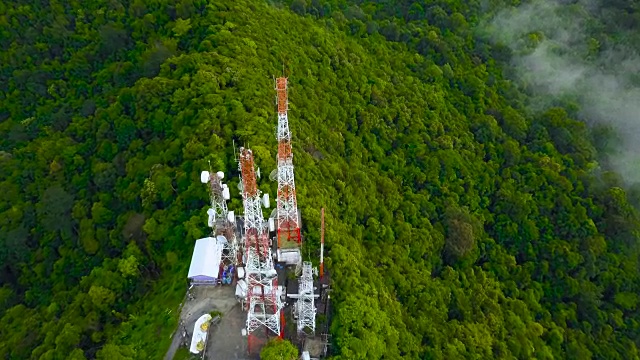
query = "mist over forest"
{"x": 570, "y": 52}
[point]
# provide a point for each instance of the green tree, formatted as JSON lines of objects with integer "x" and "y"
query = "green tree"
{"x": 115, "y": 352}
{"x": 462, "y": 233}
{"x": 102, "y": 297}
{"x": 278, "y": 349}
{"x": 54, "y": 209}
{"x": 182, "y": 27}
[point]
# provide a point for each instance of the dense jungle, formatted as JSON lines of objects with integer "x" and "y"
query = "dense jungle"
{"x": 460, "y": 222}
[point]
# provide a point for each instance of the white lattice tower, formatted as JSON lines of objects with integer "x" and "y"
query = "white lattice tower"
{"x": 287, "y": 206}
{"x": 219, "y": 217}
{"x": 306, "y": 305}
{"x": 260, "y": 269}
{"x": 263, "y": 301}
{"x": 231, "y": 251}
{"x": 260, "y": 273}
{"x": 218, "y": 203}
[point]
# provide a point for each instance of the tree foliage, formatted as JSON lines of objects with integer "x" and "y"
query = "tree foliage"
{"x": 459, "y": 225}
{"x": 278, "y": 349}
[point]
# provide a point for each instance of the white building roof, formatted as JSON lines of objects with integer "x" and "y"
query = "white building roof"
{"x": 289, "y": 256}
{"x": 207, "y": 254}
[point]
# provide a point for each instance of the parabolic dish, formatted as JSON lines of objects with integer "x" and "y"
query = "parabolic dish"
{"x": 204, "y": 177}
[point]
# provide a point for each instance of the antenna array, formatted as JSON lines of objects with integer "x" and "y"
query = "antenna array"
{"x": 287, "y": 206}
{"x": 221, "y": 220}
{"x": 263, "y": 298}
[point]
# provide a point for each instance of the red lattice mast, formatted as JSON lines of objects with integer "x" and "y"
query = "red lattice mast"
{"x": 256, "y": 234}
{"x": 287, "y": 206}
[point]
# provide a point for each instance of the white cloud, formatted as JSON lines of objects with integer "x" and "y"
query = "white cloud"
{"x": 557, "y": 67}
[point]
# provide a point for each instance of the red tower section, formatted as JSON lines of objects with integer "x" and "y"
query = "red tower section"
{"x": 287, "y": 206}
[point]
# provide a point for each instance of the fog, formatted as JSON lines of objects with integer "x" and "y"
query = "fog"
{"x": 553, "y": 55}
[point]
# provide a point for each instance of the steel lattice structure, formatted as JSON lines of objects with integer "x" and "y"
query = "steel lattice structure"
{"x": 256, "y": 230}
{"x": 305, "y": 305}
{"x": 219, "y": 216}
{"x": 287, "y": 206}
{"x": 263, "y": 301}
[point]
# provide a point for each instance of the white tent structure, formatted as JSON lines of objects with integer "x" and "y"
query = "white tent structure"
{"x": 205, "y": 263}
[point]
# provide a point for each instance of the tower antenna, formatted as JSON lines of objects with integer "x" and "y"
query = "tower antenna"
{"x": 235, "y": 157}
{"x": 220, "y": 218}
{"x": 263, "y": 300}
{"x": 287, "y": 215}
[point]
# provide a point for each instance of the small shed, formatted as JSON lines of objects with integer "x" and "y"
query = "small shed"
{"x": 205, "y": 262}
{"x": 289, "y": 256}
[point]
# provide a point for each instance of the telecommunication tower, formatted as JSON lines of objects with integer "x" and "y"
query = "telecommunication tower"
{"x": 288, "y": 222}
{"x": 263, "y": 297}
{"x": 221, "y": 221}
{"x": 305, "y": 306}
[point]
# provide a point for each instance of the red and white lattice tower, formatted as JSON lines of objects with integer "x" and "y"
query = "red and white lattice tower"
{"x": 263, "y": 299}
{"x": 287, "y": 207}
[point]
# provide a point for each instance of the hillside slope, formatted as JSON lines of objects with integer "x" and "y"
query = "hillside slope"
{"x": 457, "y": 226}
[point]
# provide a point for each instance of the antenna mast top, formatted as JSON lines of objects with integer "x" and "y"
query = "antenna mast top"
{"x": 235, "y": 155}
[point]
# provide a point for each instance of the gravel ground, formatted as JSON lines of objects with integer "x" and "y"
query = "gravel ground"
{"x": 206, "y": 300}
{"x": 225, "y": 339}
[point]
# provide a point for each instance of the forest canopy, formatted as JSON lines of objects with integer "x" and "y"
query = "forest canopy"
{"x": 459, "y": 223}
